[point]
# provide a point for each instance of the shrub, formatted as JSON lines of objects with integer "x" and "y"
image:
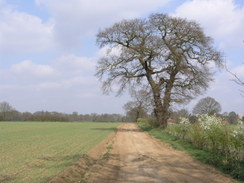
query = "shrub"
{"x": 225, "y": 141}
{"x": 147, "y": 123}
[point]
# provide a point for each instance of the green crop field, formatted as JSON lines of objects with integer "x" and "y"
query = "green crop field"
{"x": 32, "y": 152}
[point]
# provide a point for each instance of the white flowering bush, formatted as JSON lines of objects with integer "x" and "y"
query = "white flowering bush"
{"x": 215, "y": 132}
{"x": 184, "y": 121}
{"x": 210, "y": 132}
{"x": 184, "y": 127}
{"x": 207, "y": 122}
{"x": 240, "y": 125}
{"x": 197, "y": 135}
{"x": 180, "y": 130}
{"x": 237, "y": 143}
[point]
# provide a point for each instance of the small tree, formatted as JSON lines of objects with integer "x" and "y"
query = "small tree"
{"x": 5, "y": 111}
{"x": 177, "y": 115}
{"x": 207, "y": 105}
{"x": 134, "y": 111}
{"x": 169, "y": 54}
{"x": 139, "y": 107}
{"x": 232, "y": 117}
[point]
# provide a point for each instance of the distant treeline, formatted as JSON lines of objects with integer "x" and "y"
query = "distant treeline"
{"x": 14, "y": 115}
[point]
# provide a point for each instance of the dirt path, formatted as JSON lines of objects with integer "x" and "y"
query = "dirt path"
{"x": 136, "y": 158}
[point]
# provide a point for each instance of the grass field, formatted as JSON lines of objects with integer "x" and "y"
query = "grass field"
{"x": 32, "y": 152}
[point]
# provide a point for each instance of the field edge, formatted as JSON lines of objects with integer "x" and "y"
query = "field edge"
{"x": 79, "y": 171}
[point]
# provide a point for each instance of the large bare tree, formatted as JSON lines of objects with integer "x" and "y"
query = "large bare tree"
{"x": 171, "y": 55}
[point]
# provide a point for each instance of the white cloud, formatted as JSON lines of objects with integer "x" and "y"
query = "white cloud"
{"x": 67, "y": 72}
{"x": 76, "y": 19}
{"x": 75, "y": 65}
{"x": 222, "y": 19}
{"x": 21, "y": 32}
{"x": 31, "y": 70}
{"x": 67, "y": 84}
{"x": 48, "y": 86}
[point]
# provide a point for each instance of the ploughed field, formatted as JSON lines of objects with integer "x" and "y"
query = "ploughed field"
{"x": 37, "y": 151}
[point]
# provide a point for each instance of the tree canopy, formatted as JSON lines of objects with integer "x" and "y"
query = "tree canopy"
{"x": 171, "y": 55}
{"x": 207, "y": 105}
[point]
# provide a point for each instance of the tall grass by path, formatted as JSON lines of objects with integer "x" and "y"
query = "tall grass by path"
{"x": 36, "y": 151}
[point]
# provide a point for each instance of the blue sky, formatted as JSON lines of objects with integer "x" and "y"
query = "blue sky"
{"x": 48, "y": 51}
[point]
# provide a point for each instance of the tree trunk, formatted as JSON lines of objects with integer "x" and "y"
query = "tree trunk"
{"x": 167, "y": 99}
{"x": 159, "y": 109}
{"x": 160, "y": 112}
{"x": 162, "y": 107}
{"x": 137, "y": 114}
{"x": 165, "y": 109}
{"x": 161, "y": 118}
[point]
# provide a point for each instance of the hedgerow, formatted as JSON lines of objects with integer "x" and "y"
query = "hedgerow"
{"x": 224, "y": 140}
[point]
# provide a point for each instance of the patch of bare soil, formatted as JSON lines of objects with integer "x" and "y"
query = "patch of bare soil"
{"x": 80, "y": 170}
{"x": 136, "y": 157}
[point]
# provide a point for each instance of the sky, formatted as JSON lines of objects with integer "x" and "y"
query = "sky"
{"x": 48, "y": 50}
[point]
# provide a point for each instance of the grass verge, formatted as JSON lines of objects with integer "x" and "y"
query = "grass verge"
{"x": 202, "y": 155}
